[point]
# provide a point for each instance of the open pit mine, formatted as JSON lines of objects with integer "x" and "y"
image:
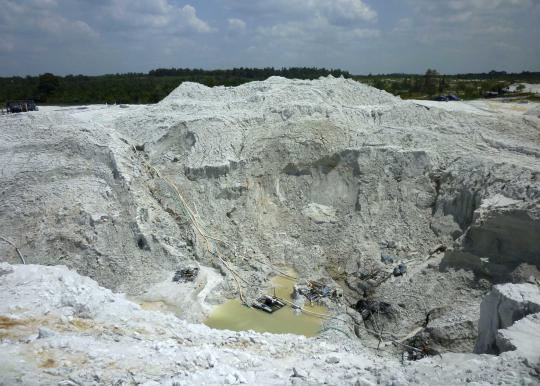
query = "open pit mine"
{"x": 279, "y": 232}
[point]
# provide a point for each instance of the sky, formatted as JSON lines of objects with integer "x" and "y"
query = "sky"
{"x": 362, "y": 36}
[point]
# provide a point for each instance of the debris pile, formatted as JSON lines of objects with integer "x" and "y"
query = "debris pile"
{"x": 400, "y": 270}
{"x": 367, "y": 308}
{"x": 185, "y": 274}
{"x": 314, "y": 291}
{"x": 386, "y": 259}
{"x": 418, "y": 347}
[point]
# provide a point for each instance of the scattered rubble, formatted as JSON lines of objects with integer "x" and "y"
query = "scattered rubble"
{"x": 186, "y": 274}
{"x": 387, "y": 259}
{"x": 400, "y": 270}
{"x": 419, "y": 347}
{"x": 438, "y": 249}
{"x": 59, "y": 326}
{"x": 315, "y": 290}
{"x": 367, "y": 308}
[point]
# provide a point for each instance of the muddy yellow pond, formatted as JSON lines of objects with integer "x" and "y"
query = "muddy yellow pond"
{"x": 233, "y": 315}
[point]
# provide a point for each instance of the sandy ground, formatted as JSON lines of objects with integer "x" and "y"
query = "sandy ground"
{"x": 58, "y": 328}
{"x": 484, "y": 107}
{"x": 534, "y": 88}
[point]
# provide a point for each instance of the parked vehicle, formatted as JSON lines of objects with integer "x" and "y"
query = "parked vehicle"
{"x": 441, "y": 98}
{"x": 453, "y": 98}
{"x": 21, "y": 106}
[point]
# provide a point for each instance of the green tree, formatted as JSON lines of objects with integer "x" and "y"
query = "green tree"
{"x": 379, "y": 83}
{"x": 442, "y": 84}
{"x": 47, "y": 84}
{"x": 430, "y": 79}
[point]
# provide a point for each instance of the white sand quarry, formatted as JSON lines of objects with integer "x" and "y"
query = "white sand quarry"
{"x": 533, "y": 88}
{"x": 324, "y": 177}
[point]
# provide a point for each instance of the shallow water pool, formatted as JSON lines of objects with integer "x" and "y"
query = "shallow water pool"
{"x": 233, "y": 315}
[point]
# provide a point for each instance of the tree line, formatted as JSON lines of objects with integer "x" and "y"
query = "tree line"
{"x": 153, "y": 86}
{"x": 432, "y": 83}
{"x": 135, "y": 88}
{"x": 252, "y": 73}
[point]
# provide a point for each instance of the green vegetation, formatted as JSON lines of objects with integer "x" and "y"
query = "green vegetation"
{"x": 156, "y": 84}
{"x": 431, "y": 84}
{"x": 138, "y": 87}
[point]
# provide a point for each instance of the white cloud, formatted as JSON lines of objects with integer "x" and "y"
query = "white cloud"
{"x": 236, "y": 24}
{"x": 467, "y": 35}
{"x": 317, "y": 22}
{"x": 58, "y": 26}
{"x": 44, "y": 3}
{"x": 154, "y": 14}
{"x": 68, "y": 16}
{"x": 306, "y": 32}
{"x": 339, "y": 11}
{"x": 20, "y": 18}
{"x": 365, "y": 33}
{"x": 317, "y": 32}
{"x": 96, "y": 36}
{"x": 189, "y": 15}
{"x": 463, "y": 19}
{"x": 475, "y": 6}
{"x": 335, "y": 11}
{"x": 486, "y": 4}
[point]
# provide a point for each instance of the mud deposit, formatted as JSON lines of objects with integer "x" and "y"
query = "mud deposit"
{"x": 235, "y": 316}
